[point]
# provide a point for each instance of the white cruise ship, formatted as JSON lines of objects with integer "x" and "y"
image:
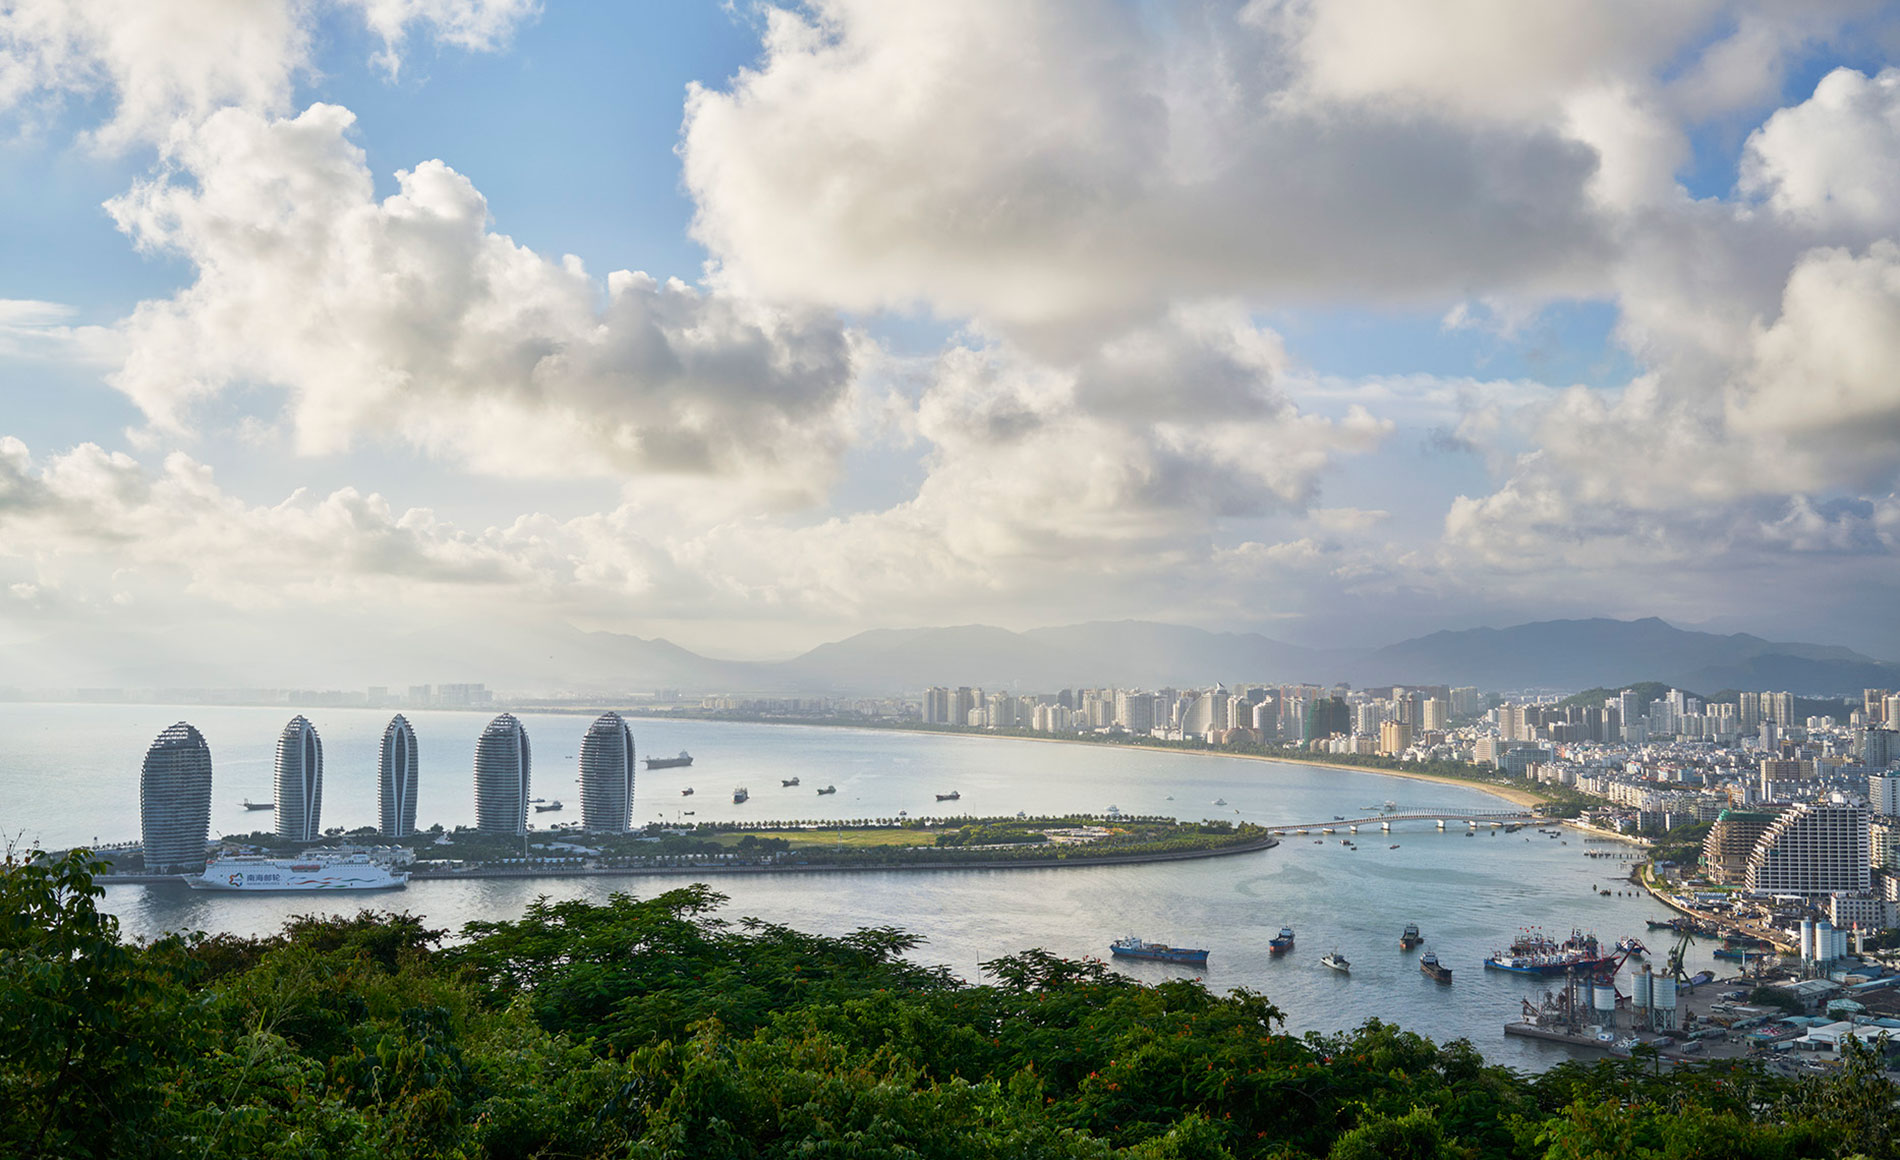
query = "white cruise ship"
{"x": 253, "y": 872}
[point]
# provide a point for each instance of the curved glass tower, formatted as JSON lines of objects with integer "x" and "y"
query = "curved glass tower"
{"x": 299, "y": 782}
{"x": 607, "y": 775}
{"x": 501, "y": 777}
{"x": 175, "y": 800}
{"x": 396, "y": 779}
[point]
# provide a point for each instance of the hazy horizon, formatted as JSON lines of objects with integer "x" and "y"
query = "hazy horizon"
{"x": 366, "y": 336}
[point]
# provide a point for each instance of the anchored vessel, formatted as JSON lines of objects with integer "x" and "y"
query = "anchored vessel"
{"x": 257, "y": 873}
{"x": 1410, "y": 938}
{"x": 687, "y": 792}
{"x": 788, "y": 781}
{"x": 1432, "y": 969}
{"x": 684, "y": 758}
{"x": 739, "y": 795}
{"x": 1138, "y": 948}
{"x": 1281, "y": 943}
{"x": 550, "y": 807}
{"x": 828, "y": 789}
{"x": 251, "y": 805}
{"x": 1337, "y": 962}
{"x": 1534, "y": 953}
{"x": 953, "y": 795}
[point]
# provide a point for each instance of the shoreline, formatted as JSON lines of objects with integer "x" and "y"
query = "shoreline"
{"x": 1253, "y": 847}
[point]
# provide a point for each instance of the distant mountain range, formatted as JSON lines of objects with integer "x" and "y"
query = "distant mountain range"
{"x": 1565, "y": 655}
{"x": 1554, "y": 654}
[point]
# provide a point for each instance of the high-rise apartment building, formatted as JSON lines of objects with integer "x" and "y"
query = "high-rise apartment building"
{"x": 1135, "y": 712}
{"x": 1466, "y": 701}
{"x": 1395, "y": 737}
{"x": 175, "y": 800}
{"x": 1874, "y": 706}
{"x": 298, "y": 779}
{"x": 1879, "y": 748}
{"x": 1883, "y": 794}
{"x": 396, "y": 777}
{"x": 502, "y": 763}
{"x": 1779, "y": 708}
{"x": 936, "y": 705}
{"x": 1813, "y": 850}
{"x": 1729, "y": 842}
{"x": 607, "y": 766}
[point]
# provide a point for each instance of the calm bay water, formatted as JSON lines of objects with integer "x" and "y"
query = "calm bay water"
{"x": 69, "y": 774}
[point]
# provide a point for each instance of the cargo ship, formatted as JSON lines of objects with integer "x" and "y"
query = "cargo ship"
{"x": 739, "y": 796}
{"x": 251, "y": 805}
{"x": 1410, "y": 938}
{"x": 786, "y": 783}
{"x": 254, "y": 873}
{"x": 1281, "y": 943}
{"x": 684, "y": 758}
{"x": 1431, "y": 968}
{"x": 952, "y": 796}
{"x": 1138, "y": 948}
{"x": 828, "y": 789}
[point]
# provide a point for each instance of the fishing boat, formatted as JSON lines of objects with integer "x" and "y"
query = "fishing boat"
{"x": 1337, "y": 962}
{"x": 1410, "y": 938}
{"x": 1281, "y": 943}
{"x": 952, "y": 796}
{"x": 687, "y": 792}
{"x": 1632, "y": 946}
{"x": 1432, "y": 969}
{"x": 787, "y": 782}
{"x": 1139, "y": 948}
{"x": 828, "y": 789}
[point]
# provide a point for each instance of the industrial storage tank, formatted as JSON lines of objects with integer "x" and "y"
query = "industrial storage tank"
{"x": 1642, "y": 996}
{"x": 1807, "y": 940}
{"x": 1604, "y": 996}
{"x": 1824, "y": 941}
{"x": 1664, "y": 994}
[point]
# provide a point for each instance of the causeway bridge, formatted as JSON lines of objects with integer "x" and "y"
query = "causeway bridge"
{"x": 1472, "y": 819}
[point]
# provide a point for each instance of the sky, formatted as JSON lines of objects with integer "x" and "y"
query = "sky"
{"x": 331, "y": 327}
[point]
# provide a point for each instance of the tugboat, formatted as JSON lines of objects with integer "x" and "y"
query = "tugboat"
{"x": 953, "y": 795}
{"x": 1337, "y": 962}
{"x": 1410, "y": 938}
{"x": 1281, "y": 943}
{"x": 1432, "y": 969}
{"x": 828, "y": 789}
{"x": 790, "y": 781}
{"x": 739, "y": 796}
{"x": 1138, "y": 948}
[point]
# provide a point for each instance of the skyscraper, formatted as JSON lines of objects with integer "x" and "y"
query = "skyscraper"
{"x": 396, "y": 780}
{"x": 175, "y": 800}
{"x": 299, "y": 782}
{"x": 501, "y": 777}
{"x": 1814, "y": 850}
{"x": 607, "y": 775}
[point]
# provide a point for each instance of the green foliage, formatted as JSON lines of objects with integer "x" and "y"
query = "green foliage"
{"x": 652, "y": 1028}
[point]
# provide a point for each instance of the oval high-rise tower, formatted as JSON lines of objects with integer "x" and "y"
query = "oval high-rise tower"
{"x": 175, "y": 800}
{"x": 299, "y": 782}
{"x": 501, "y": 777}
{"x": 607, "y": 775}
{"x": 396, "y": 779}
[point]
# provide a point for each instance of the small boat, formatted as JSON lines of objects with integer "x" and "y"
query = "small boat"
{"x": 739, "y": 796}
{"x": 1337, "y": 962}
{"x": 1139, "y": 948}
{"x": 251, "y": 805}
{"x": 828, "y": 789}
{"x": 952, "y": 796}
{"x": 1410, "y": 938}
{"x": 1220, "y": 801}
{"x": 687, "y": 792}
{"x": 550, "y": 807}
{"x": 1432, "y": 969}
{"x": 1282, "y": 942}
{"x": 1393, "y": 846}
{"x": 1632, "y": 946}
{"x": 790, "y": 781}
{"x": 1319, "y": 841}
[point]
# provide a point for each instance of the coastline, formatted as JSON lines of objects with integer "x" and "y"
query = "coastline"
{"x": 1516, "y": 797}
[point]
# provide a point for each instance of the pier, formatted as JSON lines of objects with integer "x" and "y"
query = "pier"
{"x": 1472, "y": 819}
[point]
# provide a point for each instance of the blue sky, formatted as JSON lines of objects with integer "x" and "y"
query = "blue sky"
{"x": 1344, "y": 321}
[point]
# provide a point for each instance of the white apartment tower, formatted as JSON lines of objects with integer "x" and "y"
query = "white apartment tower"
{"x": 502, "y": 762}
{"x": 299, "y": 782}
{"x": 1814, "y": 850}
{"x": 175, "y": 800}
{"x": 607, "y": 765}
{"x": 396, "y": 769}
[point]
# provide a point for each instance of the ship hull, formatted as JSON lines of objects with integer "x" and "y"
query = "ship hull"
{"x": 1184, "y": 957}
{"x": 1581, "y": 966}
{"x": 668, "y": 762}
{"x": 288, "y": 877}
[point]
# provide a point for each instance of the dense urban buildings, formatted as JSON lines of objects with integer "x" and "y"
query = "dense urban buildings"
{"x": 175, "y": 800}
{"x": 502, "y": 762}
{"x": 607, "y": 765}
{"x": 298, "y": 778}
{"x": 396, "y": 778}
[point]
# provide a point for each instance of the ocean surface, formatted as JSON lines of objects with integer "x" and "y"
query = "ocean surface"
{"x": 69, "y": 774}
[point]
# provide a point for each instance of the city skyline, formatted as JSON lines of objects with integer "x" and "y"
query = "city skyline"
{"x": 753, "y": 327}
